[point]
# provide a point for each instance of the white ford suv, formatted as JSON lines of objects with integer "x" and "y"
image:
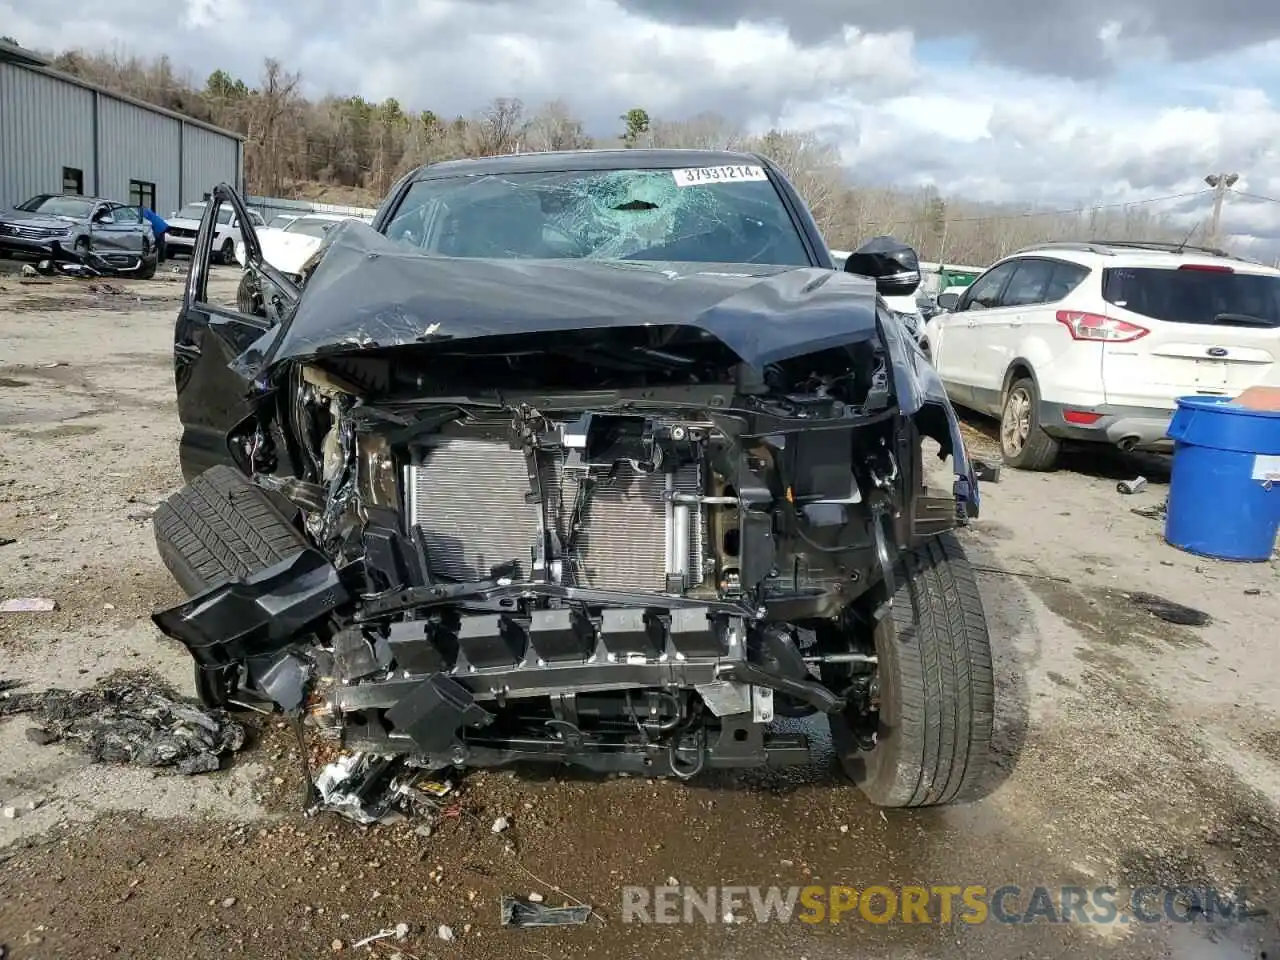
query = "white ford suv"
{"x": 185, "y": 224}
{"x": 1096, "y": 341}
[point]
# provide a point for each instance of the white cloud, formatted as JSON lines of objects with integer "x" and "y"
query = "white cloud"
{"x": 900, "y": 111}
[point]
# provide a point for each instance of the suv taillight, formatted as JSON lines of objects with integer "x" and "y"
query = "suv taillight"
{"x": 1094, "y": 326}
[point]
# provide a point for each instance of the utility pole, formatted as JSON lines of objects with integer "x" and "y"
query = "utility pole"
{"x": 1221, "y": 182}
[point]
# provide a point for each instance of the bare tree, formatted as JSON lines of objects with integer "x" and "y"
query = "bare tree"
{"x": 706, "y": 131}
{"x": 499, "y": 127}
{"x": 554, "y": 127}
{"x": 271, "y": 157}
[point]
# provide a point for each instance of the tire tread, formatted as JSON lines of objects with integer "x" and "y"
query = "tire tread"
{"x": 221, "y": 527}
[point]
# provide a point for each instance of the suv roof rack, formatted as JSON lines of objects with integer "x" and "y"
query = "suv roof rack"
{"x": 1107, "y": 248}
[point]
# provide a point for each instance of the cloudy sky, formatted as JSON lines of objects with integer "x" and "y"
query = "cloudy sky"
{"x": 1067, "y": 105}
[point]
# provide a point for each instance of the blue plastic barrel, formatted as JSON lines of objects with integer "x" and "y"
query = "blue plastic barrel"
{"x": 1221, "y": 502}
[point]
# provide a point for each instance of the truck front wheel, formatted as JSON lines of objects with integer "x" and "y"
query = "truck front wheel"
{"x": 929, "y": 739}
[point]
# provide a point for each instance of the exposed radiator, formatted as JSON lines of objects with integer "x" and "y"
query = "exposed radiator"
{"x": 469, "y": 497}
{"x": 624, "y": 541}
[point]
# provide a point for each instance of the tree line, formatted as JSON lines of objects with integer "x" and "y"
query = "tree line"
{"x": 351, "y": 150}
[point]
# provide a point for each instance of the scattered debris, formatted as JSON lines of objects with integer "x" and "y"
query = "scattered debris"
{"x": 145, "y": 513}
{"x": 28, "y": 605}
{"x": 371, "y": 789}
{"x": 518, "y": 912}
{"x": 1130, "y": 487}
{"x": 1252, "y": 591}
{"x": 11, "y": 813}
{"x": 229, "y": 902}
{"x": 29, "y": 271}
{"x": 501, "y": 824}
{"x": 1169, "y": 611}
{"x": 445, "y": 933}
{"x": 399, "y": 931}
{"x": 986, "y": 472}
{"x": 535, "y": 898}
{"x": 132, "y": 717}
{"x": 5, "y": 541}
{"x": 1157, "y": 512}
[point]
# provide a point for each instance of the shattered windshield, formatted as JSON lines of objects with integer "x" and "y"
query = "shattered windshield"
{"x": 704, "y": 215}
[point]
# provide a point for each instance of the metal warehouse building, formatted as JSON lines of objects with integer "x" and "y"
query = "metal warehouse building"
{"x": 59, "y": 134}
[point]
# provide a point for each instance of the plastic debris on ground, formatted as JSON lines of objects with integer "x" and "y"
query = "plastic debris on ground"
{"x": 131, "y": 717}
{"x": 1158, "y": 512}
{"x": 522, "y": 912}
{"x": 1169, "y": 611}
{"x": 1130, "y": 487}
{"x": 28, "y": 605}
{"x": 369, "y": 789}
{"x": 986, "y": 472}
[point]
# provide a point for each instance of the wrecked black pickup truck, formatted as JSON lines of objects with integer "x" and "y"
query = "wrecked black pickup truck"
{"x": 586, "y": 457}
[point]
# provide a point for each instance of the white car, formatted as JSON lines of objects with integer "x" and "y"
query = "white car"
{"x": 288, "y": 247}
{"x": 1096, "y": 341}
{"x": 185, "y": 224}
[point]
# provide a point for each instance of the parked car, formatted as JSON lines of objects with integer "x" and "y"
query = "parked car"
{"x": 1096, "y": 341}
{"x": 181, "y": 236}
{"x": 582, "y": 457}
{"x": 107, "y": 236}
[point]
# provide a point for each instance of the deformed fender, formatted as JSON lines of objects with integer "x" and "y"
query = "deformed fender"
{"x": 920, "y": 392}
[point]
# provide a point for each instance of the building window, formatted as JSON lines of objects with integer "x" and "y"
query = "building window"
{"x": 73, "y": 181}
{"x": 142, "y": 194}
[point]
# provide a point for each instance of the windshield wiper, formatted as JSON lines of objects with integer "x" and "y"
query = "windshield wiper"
{"x": 1243, "y": 320}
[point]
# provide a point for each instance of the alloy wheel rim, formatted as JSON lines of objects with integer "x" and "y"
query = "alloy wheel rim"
{"x": 1015, "y": 426}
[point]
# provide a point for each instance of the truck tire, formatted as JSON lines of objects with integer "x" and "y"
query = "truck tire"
{"x": 1023, "y": 443}
{"x": 936, "y": 688}
{"x": 219, "y": 527}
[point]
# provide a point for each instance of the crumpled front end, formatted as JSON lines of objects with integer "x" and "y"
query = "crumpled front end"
{"x": 628, "y": 549}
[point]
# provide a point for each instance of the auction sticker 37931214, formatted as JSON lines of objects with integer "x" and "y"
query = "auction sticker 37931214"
{"x": 695, "y": 176}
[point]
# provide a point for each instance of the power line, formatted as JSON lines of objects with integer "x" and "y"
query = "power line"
{"x": 1254, "y": 196}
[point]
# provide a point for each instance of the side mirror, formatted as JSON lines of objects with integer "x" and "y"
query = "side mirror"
{"x": 102, "y": 216}
{"x": 893, "y": 265}
{"x": 948, "y": 301}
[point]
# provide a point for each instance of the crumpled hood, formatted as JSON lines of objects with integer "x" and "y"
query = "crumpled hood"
{"x": 367, "y": 292}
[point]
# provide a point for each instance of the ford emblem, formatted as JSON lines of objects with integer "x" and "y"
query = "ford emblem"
{"x": 1217, "y": 351}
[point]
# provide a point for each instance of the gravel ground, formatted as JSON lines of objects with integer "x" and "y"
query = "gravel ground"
{"x": 1131, "y": 751}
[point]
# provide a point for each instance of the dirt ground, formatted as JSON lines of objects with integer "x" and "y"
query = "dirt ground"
{"x": 1131, "y": 751}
